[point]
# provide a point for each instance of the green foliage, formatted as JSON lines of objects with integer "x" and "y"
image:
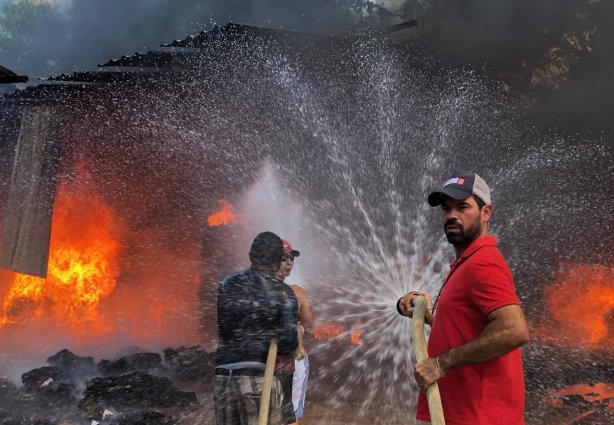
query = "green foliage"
{"x": 20, "y": 21}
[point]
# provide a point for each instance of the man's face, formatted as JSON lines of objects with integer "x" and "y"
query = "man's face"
{"x": 462, "y": 220}
{"x": 287, "y": 261}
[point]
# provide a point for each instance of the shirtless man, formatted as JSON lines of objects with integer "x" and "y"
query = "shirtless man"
{"x": 305, "y": 323}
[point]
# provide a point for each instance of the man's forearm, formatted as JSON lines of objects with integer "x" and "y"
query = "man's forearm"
{"x": 497, "y": 339}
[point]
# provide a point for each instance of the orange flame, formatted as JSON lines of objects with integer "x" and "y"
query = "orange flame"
{"x": 84, "y": 303}
{"x": 582, "y": 301}
{"x": 82, "y": 267}
{"x": 356, "y": 332}
{"x": 224, "y": 216}
{"x": 327, "y": 331}
{"x": 590, "y": 393}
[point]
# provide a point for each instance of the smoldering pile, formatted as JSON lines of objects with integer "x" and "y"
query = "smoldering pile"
{"x": 139, "y": 388}
{"x": 578, "y": 390}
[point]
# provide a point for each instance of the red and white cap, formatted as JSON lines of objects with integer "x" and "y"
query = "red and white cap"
{"x": 461, "y": 185}
{"x": 288, "y": 249}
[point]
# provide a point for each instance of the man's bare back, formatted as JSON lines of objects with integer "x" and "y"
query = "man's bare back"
{"x": 305, "y": 317}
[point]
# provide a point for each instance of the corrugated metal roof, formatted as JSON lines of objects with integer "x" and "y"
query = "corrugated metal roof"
{"x": 230, "y": 33}
{"x": 150, "y": 59}
{"x": 168, "y": 57}
{"x": 237, "y": 31}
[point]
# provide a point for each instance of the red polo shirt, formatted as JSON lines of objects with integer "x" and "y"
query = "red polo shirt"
{"x": 487, "y": 393}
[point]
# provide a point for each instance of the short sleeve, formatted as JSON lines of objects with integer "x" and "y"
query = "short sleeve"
{"x": 493, "y": 285}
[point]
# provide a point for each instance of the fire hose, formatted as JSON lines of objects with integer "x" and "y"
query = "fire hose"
{"x": 265, "y": 400}
{"x": 432, "y": 392}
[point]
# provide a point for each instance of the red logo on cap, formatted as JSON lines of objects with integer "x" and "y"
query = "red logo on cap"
{"x": 454, "y": 180}
{"x": 287, "y": 247}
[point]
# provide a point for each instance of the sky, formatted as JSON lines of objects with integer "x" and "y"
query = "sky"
{"x": 89, "y": 32}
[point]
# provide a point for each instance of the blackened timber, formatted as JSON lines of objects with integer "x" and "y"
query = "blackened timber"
{"x": 402, "y": 26}
{"x": 9, "y": 77}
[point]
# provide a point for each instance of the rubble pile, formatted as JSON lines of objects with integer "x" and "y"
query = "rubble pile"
{"x": 579, "y": 391}
{"x": 190, "y": 363}
{"x": 137, "y": 389}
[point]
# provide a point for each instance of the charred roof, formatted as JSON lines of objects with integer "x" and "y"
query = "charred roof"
{"x": 8, "y": 77}
{"x": 168, "y": 57}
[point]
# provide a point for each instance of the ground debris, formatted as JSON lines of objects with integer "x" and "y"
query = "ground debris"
{"x": 190, "y": 363}
{"x": 134, "y": 391}
{"x": 73, "y": 367}
{"x": 130, "y": 363}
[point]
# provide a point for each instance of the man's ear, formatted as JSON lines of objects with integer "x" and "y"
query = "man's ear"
{"x": 486, "y": 212}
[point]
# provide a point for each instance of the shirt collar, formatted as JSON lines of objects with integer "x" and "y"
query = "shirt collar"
{"x": 487, "y": 240}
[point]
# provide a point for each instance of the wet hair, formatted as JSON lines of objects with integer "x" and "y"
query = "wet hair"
{"x": 479, "y": 202}
{"x": 267, "y": 248}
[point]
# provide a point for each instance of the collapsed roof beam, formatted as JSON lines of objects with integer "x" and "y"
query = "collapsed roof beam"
{"x": 402, "y": 26}
{"x": 7, "y": 76}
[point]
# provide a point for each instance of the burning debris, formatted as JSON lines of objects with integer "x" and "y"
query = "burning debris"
{"x": 134, "y": 389}
{"x": 224, "y": 216}
{"x": 82, "y": 270}
{"x": 579, "y": 391}
{"x": 576, "y": 336}
{"x": 591, "y": 321}
{"x": 582, "y": 404}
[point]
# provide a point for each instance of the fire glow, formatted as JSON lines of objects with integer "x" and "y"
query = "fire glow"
{"x": 82, "y": 267}
{"x": 356, "y": 332}
{"x": 582, "y": 302}
{"x": 335, "y": 331}
{"x": 327, "y": 331}
{"x": 590, "y": 393}
{"x": 224, "y": 216}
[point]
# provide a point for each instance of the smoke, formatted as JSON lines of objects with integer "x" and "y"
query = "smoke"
{"x": 548, "y": 46}
{"x": 559, "y": 54}
{"x": 78, "y": 34}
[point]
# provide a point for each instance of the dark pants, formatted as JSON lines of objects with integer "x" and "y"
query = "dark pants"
{"x": 287, "y": 409}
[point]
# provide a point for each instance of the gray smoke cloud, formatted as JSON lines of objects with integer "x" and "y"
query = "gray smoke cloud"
{"x": 545, "y": 44}
{"x": 560, "y": 51}
{"x": 83, "y": 33}
{"x": 79, "y": 34}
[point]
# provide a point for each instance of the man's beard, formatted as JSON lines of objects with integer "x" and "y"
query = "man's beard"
{"x": 466, "y": 235}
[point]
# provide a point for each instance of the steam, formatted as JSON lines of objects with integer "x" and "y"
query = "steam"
{"x": 269, "y": 205}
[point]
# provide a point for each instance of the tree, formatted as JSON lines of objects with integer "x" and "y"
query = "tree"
{"x": 20, "y": 23}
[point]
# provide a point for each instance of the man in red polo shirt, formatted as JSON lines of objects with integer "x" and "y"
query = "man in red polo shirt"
{"x": 477, "y": 325}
